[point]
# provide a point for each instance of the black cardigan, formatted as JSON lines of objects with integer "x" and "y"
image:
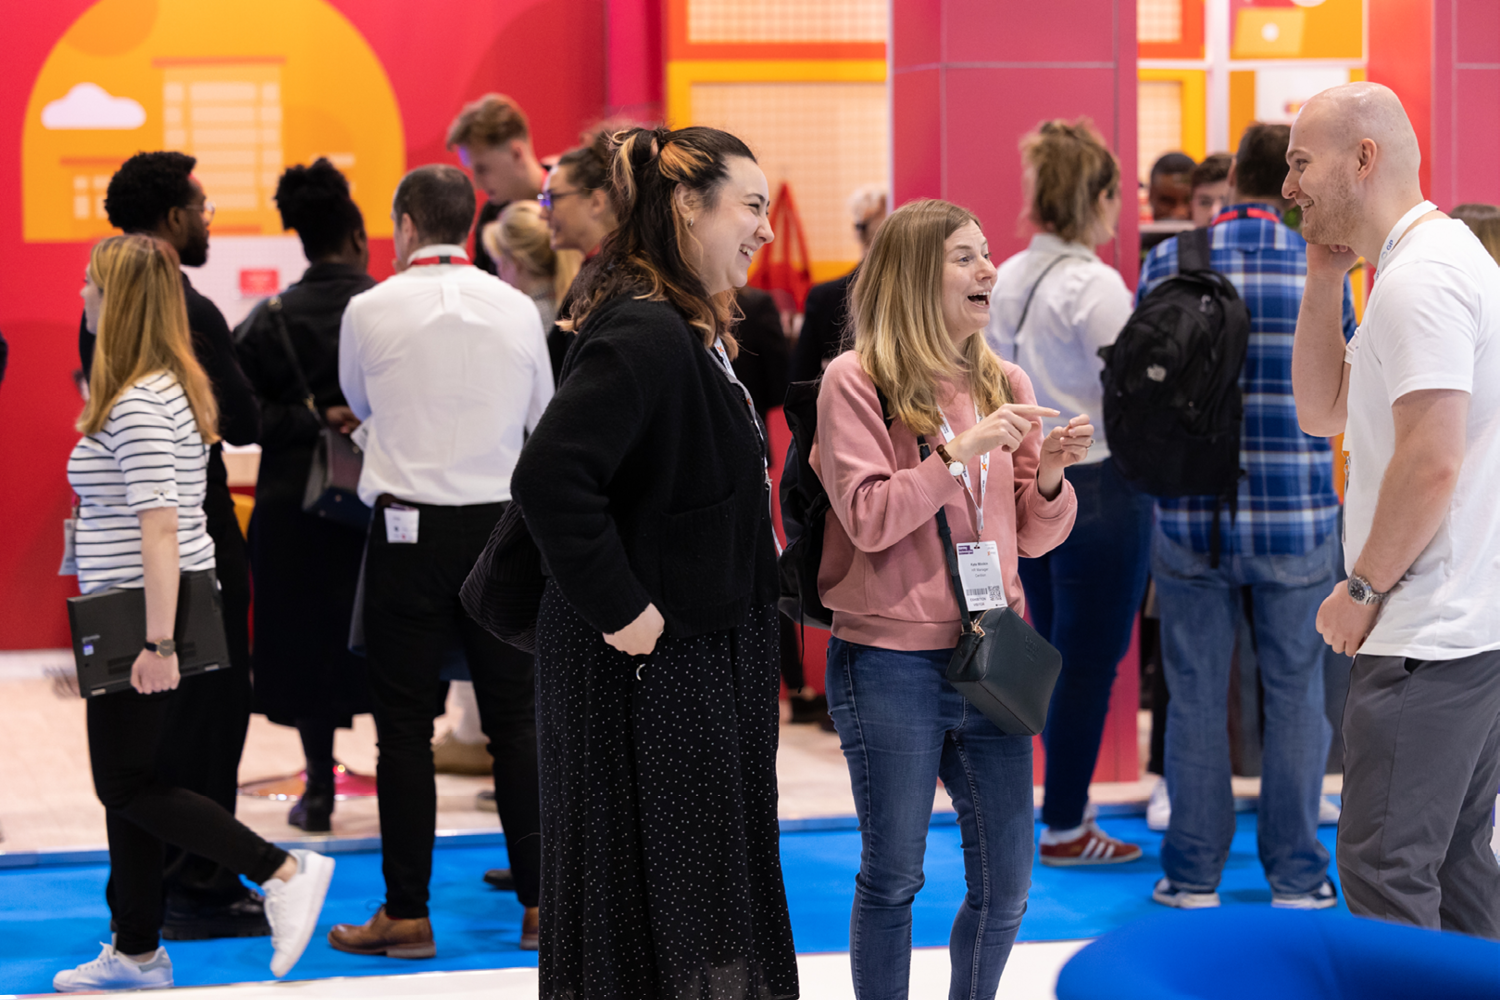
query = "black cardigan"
{"x": 313, "y": 309}
{"x": 645, "y": 481}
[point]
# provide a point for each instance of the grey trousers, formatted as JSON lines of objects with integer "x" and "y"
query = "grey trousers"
{"x": 1421, "y": 769}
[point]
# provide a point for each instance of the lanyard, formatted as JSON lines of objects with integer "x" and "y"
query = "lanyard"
{"x": 438, "y": 259}
{"x": 1246, "y": 213}
{"x": 984, "y": 471}
{"x": 1399, "y": 230}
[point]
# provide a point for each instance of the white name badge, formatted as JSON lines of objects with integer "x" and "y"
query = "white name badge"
{"x": 69, "y": 565}
{"x": 979, "y": 571}
{"x": 401, "y": 524}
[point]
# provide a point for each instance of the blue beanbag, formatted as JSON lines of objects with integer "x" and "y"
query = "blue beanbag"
{"x": 1285, "y": 954}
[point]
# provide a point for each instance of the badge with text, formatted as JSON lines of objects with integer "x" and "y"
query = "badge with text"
{"x": 69, "y": 565}
{"x": 401, "y": 524}
{"x": 979, "y": 569}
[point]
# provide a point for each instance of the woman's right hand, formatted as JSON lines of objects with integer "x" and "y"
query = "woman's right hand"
{"x": 640, "y": 636}
{"x": 1005, "y": 429}
{"x": 151, "y": 674}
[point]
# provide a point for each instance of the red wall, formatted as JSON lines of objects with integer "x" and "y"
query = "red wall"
{"x": 548, "y": 54}
{"x": 970, "y": 77}
{"x": 1401, "y": 58}
{"x": 1465, "y": 101}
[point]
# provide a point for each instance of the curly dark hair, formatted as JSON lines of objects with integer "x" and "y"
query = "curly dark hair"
{"x": 315, "y": 202}
{"x": 146, "y": 187}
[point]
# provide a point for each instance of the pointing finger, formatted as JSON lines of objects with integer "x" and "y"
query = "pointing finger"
{"x": 1032, "y": 410}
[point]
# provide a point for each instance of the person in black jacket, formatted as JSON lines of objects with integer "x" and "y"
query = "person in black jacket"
{"x": 645, "y": 487}
{"x": 825, "y": 314}
{"x": 156, "y": 194}
{"x": 305, "y": 567}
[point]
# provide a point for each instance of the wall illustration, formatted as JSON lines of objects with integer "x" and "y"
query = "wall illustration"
{"x": 286, "y": 81}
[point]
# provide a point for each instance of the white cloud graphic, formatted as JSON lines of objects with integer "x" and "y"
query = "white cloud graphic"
{"x": 90, "y": 106}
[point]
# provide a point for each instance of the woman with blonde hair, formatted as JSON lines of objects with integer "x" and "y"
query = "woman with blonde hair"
{"x": 520, "y": 243}
{"x": 1056, "y": 303}
{"x": 139, "y": 472}
{"x": 959, "y": 434}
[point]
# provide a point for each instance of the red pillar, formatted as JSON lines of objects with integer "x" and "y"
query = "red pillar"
{"x": 1465, "y": 102}
{"x": 633, "y": 59}
{"x": 1400, "y": 57}
{"x": 970, "y": 77}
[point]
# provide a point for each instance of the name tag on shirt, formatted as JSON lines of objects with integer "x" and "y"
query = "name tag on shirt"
{"x": 979, "y": 572}
{"x": 401, "y": 524}
{"x": 69, "y": 565}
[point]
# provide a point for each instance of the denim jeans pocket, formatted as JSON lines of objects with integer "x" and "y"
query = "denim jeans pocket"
{"x": 1174, "y": 560}
{"x": 1307, "y": 569}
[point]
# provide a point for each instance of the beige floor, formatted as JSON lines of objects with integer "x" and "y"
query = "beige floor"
{"x": 47, "y": 800}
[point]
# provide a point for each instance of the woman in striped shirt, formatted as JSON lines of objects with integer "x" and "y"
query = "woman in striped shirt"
{"x": 139, "y": 474}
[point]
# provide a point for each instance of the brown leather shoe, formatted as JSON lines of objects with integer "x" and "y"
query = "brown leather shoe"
{"x": 531, "y": 929}
{"x": 384, "y": 936}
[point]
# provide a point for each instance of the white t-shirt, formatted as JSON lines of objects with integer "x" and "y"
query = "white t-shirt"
{"x": 1433, "y": 322}
{"x": 1080, "y": 306}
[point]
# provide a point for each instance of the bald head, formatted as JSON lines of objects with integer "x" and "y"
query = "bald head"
{"x": 1352, "y": 164}
{"x": 1354, "y": 112}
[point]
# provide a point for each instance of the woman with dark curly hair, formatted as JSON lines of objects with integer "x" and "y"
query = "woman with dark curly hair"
{"x": 645, "y": 488}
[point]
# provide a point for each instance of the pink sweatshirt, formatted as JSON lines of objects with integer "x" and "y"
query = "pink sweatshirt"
{"x": 884, "y": 574}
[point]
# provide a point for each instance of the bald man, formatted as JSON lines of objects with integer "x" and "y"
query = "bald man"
{"x": 1417, "y": 395}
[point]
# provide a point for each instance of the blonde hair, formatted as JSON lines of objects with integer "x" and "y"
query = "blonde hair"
{"x": 899, "y": 334}
{"x": 493, "y": 120}
{"x": 143, "y": 329}
{"x": 520, "y": 233}
{"x": 1484, "y": 221}
{"x": 1068, "y": 167}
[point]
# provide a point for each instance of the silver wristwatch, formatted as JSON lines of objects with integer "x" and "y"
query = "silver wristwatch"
{"x": 1360, "y": 591}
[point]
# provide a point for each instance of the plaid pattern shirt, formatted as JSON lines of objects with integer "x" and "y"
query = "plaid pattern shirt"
{"x": 1287, "y": 504}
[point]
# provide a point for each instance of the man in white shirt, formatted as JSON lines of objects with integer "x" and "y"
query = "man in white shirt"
{"x": 447, "y": 368}
{"x": 1417, "y": 395}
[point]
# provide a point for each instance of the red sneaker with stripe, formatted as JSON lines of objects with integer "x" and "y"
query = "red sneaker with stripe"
{"x": 1091, "y": 847}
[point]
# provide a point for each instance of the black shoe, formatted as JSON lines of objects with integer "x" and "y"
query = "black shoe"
{"x": 810, "y": 709}
{"x": 187, "y": 921}
{"x": 500, "y": 878}
{"x": 313, "y": 811}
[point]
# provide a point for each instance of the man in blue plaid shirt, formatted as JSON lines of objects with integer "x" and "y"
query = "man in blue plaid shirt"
{"x": 1282, "y": 544}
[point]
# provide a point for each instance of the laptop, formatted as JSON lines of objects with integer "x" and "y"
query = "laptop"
{"x": 109, "y": 632}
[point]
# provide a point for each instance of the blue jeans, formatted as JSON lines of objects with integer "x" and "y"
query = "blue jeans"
{"x": 1083, "y": 597}
{"x": 902, "y": 726}
{"x": 1198, "y": 622}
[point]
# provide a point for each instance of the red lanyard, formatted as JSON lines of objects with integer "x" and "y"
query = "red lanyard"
{"x": 437, "y": 259}
{"x": 1246, "y": 213}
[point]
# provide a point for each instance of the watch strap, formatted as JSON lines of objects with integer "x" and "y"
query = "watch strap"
{"x": 942, "y": 453}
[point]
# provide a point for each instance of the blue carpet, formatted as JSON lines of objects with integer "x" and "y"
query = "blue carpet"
{"x": 51, "y": 917}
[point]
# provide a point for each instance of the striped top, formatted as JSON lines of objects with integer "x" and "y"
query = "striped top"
{"x": 148, "y": 454}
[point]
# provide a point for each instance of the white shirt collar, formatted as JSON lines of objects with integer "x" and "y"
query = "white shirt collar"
{"x": 1051, "y": 244}
{"x": 439, "y": 250}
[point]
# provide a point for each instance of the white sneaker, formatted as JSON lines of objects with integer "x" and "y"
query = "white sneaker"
{"x": 1159, "y": 808}
{"x": 1168, "y": 894}
{"x": 292, "y": 908}
{"x": 1320, "y": 898}
{"x": 1328, "y": 811}
{"x": 113, "y": 971}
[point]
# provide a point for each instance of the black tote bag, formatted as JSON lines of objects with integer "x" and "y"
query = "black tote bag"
{"x": 1002, "y": 665}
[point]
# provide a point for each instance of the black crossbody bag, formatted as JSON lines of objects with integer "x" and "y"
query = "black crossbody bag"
{"x": 332, "y": 490}
{"x": 1001, "y": 664}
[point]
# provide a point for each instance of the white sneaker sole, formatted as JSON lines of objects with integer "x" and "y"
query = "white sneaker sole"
{"x": 283, "y": 960}
{"x": 1081, "y": 861}
{"x": 1303, "y": 903}
{"x": 1187, "y": 900}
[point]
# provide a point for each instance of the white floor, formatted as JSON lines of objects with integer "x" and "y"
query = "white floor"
{"x": 1030, "y": 975}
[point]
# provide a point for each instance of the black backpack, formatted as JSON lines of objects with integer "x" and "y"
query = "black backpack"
{"x": 804, "y": 510}
{"x": 1172, "y": 401}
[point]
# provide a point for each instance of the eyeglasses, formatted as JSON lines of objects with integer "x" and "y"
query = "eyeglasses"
{"x": 546, "y": 198}
{"x": 207, "y": 210}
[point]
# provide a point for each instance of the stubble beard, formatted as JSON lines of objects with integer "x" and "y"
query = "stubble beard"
{"x": 1334, "y": 216}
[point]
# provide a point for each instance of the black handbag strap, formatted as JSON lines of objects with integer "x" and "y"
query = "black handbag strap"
{"x": 951, "y": 553}
{"x": 273, "y": 305}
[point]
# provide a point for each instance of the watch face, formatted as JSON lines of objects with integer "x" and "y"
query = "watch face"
{"x": 957, "y": 468}
{"x": 1358, "y": 590}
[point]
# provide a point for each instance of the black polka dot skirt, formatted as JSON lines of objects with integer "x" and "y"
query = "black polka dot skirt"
{"x": 661, "y": 867}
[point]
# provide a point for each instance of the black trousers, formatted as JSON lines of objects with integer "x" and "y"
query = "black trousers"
{"x": 204, "y": 735}
{"x": 412, "y": 615}
{"x": 144, "y": 814}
